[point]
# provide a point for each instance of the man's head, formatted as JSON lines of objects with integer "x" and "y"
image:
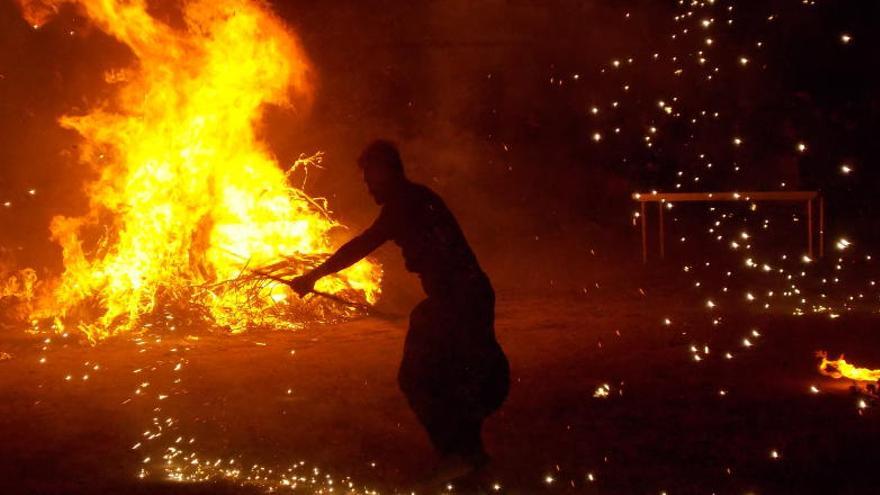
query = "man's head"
{"x": 383, "y": 169}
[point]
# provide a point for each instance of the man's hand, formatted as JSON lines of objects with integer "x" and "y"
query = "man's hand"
{"x": 303, "y": 284}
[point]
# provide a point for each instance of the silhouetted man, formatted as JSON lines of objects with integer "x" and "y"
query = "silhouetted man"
{"x": 454, "y": 373}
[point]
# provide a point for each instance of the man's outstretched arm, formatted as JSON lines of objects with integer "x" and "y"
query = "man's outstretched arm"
{"x": 350, "y": 253}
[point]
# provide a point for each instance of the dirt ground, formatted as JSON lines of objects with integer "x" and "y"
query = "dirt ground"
{"x": 318, "y": 410}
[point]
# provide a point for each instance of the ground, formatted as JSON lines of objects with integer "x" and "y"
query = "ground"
{"x": 321, "y": 405}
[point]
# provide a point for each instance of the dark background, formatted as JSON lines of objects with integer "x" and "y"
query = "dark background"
{"x": 491, "y": 103}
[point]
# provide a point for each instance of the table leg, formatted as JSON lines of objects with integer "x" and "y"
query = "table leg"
{"x": 810, "y": 227}
{"x": 661, "y": 239}
{"x": 644, "y": 220}
{"x": 821, "y": 226}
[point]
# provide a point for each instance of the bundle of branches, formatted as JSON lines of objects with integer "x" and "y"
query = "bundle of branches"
{"x": 258, "y": 296}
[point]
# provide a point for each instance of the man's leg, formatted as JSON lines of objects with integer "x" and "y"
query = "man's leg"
{"x": 467, "y": 441}
{"x": 418, "y": 375}
{"x": 459, "y": 445}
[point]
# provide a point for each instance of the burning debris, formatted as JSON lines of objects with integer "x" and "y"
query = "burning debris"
{"x": 840, "y": 368}
{"x": 187, "y": 195}
{"x": 865, "y": 380}
{"x": 20, "y": 285}
{"x": 17, "y": 290}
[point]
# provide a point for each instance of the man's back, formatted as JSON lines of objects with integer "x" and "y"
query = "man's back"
{"x": 429, "y": 236}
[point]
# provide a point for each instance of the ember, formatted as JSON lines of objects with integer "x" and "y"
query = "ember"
{"x": 187, "y": 195}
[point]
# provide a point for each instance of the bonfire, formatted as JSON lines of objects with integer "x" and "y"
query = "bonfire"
{"x": 187, "y": 199}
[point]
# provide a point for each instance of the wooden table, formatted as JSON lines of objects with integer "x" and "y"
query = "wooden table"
{"x": 752, "y": 196}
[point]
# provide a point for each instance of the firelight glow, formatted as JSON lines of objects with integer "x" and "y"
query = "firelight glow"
{"x": 186, "y": 193}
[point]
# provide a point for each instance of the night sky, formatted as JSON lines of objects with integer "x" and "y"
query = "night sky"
{"x": 534, "y": 121}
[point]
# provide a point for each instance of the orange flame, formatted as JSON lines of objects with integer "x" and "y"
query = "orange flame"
{"x": 21, "y": 285}
{"x": 186, "y": 191}
{"x": 38, "y": 12}
{"x": 17, "y": 289}
{"x": 839, "y": 368}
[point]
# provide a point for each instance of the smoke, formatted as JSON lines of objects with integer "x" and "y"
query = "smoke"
{"x": 490, "y": 102}
{"x": 465, "y": 89}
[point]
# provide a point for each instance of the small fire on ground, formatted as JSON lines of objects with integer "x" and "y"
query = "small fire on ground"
{"x": 840, "y": 368}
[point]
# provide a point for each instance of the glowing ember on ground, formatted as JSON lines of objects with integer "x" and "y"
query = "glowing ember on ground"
{"x": 187, "y": 195}
{"x": 840, "y": 368}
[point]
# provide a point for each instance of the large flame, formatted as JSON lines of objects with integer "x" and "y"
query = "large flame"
{"x": 839, "y": 368}
{"x": 186, "y": 192}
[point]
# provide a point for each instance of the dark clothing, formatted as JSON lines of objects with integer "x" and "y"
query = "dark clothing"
{"x": 431, "y": 241}
{"x": 454, "y": 373}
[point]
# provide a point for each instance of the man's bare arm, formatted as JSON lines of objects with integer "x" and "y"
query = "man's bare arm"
{"x": 350, "y": 253}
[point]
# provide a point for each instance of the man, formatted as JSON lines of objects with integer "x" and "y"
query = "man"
{"x": 453, "y": 373}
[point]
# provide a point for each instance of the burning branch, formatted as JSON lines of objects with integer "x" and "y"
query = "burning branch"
{"x": 839, "y": 368}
